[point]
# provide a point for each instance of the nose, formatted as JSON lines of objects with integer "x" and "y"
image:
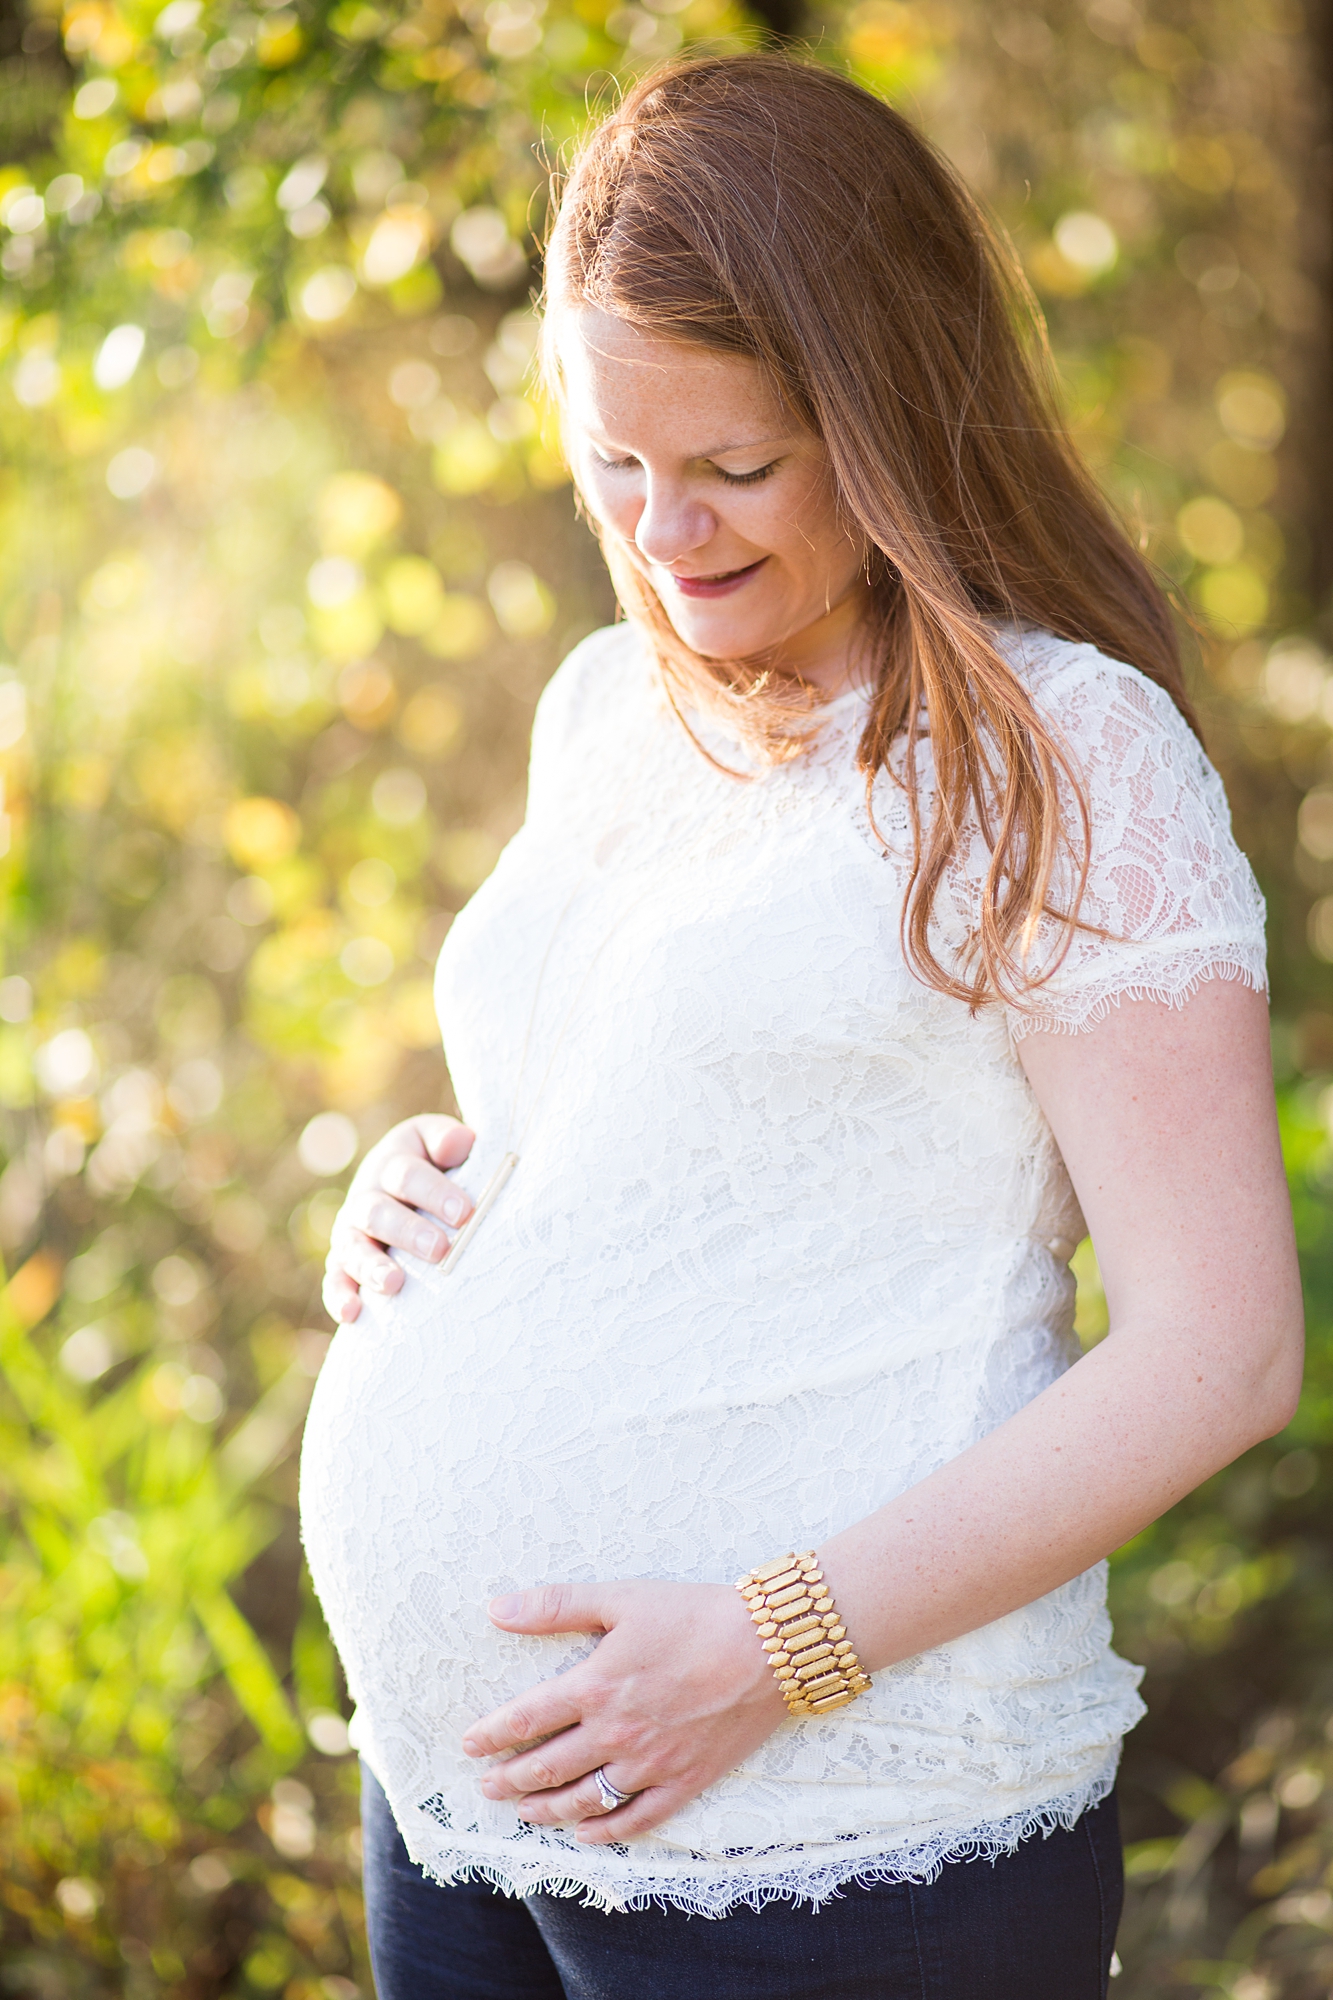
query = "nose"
{"x": 672, "y": 524}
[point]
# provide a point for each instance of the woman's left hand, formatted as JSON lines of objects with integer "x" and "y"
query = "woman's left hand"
{"x": 677, "y": 1693}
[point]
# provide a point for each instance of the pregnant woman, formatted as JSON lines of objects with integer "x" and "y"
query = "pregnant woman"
{"x": 875, "y": 930}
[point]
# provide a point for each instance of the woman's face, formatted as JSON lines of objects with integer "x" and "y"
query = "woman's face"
{"x": 725, "y": 503}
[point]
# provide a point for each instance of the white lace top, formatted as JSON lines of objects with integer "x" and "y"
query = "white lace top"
{"x": 789, "y": 1231}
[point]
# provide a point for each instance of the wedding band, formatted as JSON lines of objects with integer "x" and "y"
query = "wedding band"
{"x": 609, "y": 1794}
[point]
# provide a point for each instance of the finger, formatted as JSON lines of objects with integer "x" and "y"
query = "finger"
{"x": 362, "y": 1259}
{"x": 386, "y": 1221}
{"x": 421, "y": 1185}
{"x": 555, "y": 1765}
{"x": 446, "y": 1141}
{"x": 570, "y": 1804}
{"x": 555, "y": 1607}
{"x": 646, "y": 1809}
{"x": 342, "y": 1299}
{"x": 544, "y": 1709}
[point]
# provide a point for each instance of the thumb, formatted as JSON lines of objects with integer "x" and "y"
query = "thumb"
{"x": 554, "y": 1607}
{"x": 447, "y": 1143}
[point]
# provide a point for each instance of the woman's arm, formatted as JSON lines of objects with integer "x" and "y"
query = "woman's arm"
{"x": 402, "y": 1182}
{"x": 1166, "y": 1122}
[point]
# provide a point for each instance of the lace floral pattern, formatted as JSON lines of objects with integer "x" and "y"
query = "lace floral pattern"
{"x": 788, "y": 1232}
{"x": 1166, "y": 878}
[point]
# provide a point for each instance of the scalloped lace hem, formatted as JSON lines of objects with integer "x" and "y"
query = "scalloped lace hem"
{"x": 1073, "y": 1013}
{"x": 707, "y": 1888}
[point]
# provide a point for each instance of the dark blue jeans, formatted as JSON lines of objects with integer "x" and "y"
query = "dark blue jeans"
{"x": 1038, "y": 1924}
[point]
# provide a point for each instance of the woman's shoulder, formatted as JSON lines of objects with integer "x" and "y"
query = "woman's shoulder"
{"x": 590, "y": 711}
{"x": 1166, "y": 898}
{"x": 1112, "y": 718}
{"x": 1083, "y": 690}
{"x": 593, "y": 688}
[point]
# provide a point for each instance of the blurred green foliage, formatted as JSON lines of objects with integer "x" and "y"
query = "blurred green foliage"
{"x": 287, "y": 554}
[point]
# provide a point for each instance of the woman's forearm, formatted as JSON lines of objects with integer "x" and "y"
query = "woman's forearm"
{"x": 1133, "y": 1427}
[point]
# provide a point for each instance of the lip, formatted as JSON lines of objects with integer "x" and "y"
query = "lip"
{"x": 716, "y": 586}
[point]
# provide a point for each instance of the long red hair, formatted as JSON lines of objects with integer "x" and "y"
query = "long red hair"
{"x": 769, "y": 207}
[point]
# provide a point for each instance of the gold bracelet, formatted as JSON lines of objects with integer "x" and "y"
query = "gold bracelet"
{"x": 806, "y": 1641}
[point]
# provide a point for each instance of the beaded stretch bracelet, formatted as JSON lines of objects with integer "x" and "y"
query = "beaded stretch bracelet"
{"x": 806, "y": 1641}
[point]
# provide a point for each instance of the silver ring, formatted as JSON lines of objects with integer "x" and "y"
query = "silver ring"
{"x": 610, "y": 1795}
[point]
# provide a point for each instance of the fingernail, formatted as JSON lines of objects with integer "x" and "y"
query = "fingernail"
{"x": 453, "y": 1209}
{"x": 424, "y": 1242}
{"x": 469, "y": 1747}
{"x": 506, "y": 1607}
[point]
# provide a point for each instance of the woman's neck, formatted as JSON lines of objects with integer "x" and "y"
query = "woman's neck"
{"x": 827, "y": 654}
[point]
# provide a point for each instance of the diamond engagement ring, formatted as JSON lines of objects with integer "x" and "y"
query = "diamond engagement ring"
{"x": 609, "y": 1794}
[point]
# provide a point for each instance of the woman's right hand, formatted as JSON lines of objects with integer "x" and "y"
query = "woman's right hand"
{"x": 403, "y": 1182}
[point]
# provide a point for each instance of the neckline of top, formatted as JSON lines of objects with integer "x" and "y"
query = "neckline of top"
{"x": 1009, "y": 636}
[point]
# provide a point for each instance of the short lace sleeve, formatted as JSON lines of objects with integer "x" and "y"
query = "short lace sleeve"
{"x": 1170, "y": 899}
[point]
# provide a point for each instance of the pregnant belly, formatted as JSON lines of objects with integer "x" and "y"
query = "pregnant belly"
{"x": 462, "y": 1442}
{"x": 412, "y": 1521}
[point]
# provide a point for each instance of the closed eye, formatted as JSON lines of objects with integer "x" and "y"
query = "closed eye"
{"x": 754, "y": 478}
{"x": 748, "y": 478}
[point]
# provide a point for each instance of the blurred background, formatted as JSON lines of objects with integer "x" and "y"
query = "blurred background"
{"x": 287, "y": 553}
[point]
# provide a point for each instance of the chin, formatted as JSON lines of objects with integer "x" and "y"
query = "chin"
{"x": 724, "y": 656}
{"x": 718, "y": 642}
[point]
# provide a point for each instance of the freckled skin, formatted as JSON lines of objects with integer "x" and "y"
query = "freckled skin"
{"x": 690, "y": 458}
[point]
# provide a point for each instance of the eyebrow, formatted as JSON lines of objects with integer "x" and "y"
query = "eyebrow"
{"x": 725, "y": 450}
{"x": 718, "y": 450}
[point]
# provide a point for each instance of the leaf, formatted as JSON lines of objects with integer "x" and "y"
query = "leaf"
{"x": 250, "y": 1675}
